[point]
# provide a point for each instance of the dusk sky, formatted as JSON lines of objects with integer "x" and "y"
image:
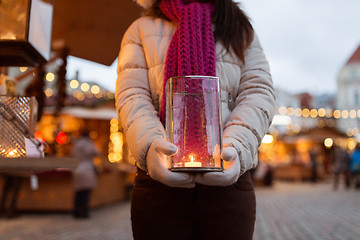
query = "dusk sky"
{"x": 306, "y": 43}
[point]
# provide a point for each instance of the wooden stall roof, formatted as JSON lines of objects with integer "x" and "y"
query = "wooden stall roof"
{"x": 93, "y": 29}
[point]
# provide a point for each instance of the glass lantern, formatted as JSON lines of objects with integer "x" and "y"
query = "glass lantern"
{"x": 17, "y": 123}
{"x": 193, "y": 123}
{"x": 25, "y": 32}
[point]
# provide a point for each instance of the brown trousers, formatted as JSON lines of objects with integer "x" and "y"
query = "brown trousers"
{"x": 159, "y": 212}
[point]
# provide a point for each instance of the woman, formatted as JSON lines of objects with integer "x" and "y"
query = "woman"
{"x": 176, "y": 38}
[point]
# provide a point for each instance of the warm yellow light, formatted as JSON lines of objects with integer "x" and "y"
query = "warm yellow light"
{"x": 328, "y": 142}
{"x": 282, "y": 110}
{"x": 344, "y": 114}
{"x": 110, "y": 95}
{"x": 349, "y": 132}
{"x": 268, "y": 139}
{"x": 116, "y": 142}
{"x": 337, "y": 114}
{"x": 114, "y": 121}
{"x": 95, "y": 89}
{"x": 355, "y": 131}
{"x": 313, "y": 113}
{"x": 50, "y": 77}
{"x": 321, "y": 112}
{"x": 118, "y": 146}
{"x": 23, "y": 69}
{"x": 118, "y": 156}
{"x": 290, "y": 111}
{"x": 342, "y": 143}
{"x": 79, "y": 95}
{"x": 49, "y": 92}
{"x": 85, "y": 87}
{"x": 74, "y": 84}
{"x": 298, "y": 112}
{"x": 351, "y": 144}
{"x": 358, "y": 113}
{"x": 93, "y": 134}
{"x": 305, "y": 112}
{"x": 192, "y": 162}
{"x": 114, "y": 138}
{"x": 13, "y": 153}
{"x": 111, "y": 157}
{"x": 329, "y": 113}
{"x": 352, "y": 113}
{"x": 114, "y": 128}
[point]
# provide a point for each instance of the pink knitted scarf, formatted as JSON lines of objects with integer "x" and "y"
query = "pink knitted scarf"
{"x": 192, "y": 48}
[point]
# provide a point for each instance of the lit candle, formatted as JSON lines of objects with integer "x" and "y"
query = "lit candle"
{"x": 192, "y": 163}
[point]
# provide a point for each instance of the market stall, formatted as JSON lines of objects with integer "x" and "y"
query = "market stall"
{"x": 294, "y": 157}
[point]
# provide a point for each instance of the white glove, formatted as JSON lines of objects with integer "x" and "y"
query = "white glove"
{"x": 227, "y": 177}
{"x": 156, "y": 160}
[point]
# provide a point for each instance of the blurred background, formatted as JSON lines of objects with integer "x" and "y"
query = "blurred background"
{"x": 69, "y": 66}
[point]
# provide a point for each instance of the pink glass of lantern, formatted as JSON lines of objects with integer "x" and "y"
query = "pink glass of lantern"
{"x": 193, "y": 123}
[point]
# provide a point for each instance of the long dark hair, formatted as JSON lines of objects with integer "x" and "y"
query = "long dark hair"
{"x": 232, "y": 25}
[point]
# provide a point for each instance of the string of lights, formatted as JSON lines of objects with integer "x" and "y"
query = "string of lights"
{"x": 319, "y": 113}
{"x": 116, "y": 142}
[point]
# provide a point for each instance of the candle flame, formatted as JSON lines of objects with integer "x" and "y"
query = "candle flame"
{"x": 192, "y": 163}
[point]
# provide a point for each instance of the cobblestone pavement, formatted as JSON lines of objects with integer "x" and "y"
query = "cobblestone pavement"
{"x": 287, "y": 211}
{"x": 307, "y": 212}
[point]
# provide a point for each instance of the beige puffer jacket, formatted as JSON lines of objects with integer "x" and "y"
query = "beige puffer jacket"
{"x": 247, "y": 92}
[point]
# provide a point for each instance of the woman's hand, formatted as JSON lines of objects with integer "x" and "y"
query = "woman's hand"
{"x": 158, "y": 168}
{"x": 227, "y": 177}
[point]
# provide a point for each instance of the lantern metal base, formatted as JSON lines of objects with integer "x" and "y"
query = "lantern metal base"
{"x": 19, "y": 53}
{"x": 196, "y": 169}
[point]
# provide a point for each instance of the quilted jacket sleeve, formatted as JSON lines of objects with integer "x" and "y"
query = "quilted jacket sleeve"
{"x": 254, "y": 107}
{"x": 137, "y": 114}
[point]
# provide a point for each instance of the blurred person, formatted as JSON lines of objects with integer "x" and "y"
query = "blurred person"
{"x": 181, "y": 38}
{"x": 10, "y": 194}
{"x": 355, "y": 166}
{"x": 341, "y": 167}
{"x": 263, "y": 173}
{"x": 328, "y": 159}
{"x": 314, "y": 155}
{"x": 85, "y": 175}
